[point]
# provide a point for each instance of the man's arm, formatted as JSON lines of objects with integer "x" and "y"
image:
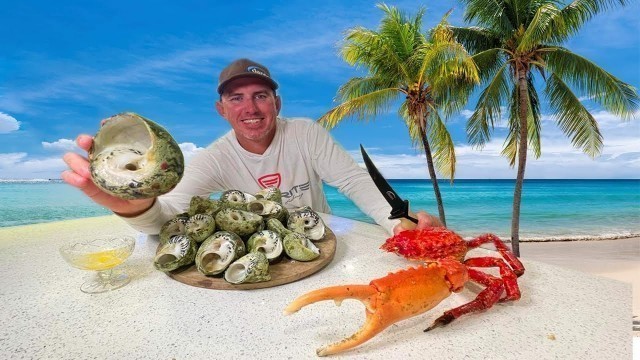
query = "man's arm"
{"x": 79, "y": 176}
{"x": 145, "y": 215}
{"x": 199, "y": 179}
{"x": 338, "y": 169}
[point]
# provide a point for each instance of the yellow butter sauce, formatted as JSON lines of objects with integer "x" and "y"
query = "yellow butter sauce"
{"x": 101, "y": 260}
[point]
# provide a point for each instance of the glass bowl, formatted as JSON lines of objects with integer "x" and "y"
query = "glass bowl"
{"x": 100, "y": 255}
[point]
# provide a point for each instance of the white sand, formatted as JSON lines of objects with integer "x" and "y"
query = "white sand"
{"x": 100, "y": 225}
{"x": 616, "y": 259}
{"x": 71, "y": 316}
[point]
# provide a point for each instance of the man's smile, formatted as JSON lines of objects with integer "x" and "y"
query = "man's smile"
{"x": 251, "y": 121}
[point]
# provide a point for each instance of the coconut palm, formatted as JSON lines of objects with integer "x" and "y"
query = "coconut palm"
{"x": 422, "y": 71}
{"x": 518, "y": 46}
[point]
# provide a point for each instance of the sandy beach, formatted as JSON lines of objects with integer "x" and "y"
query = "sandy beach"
{"x": 589, "y": 320}
{"x": 615, "y": 259}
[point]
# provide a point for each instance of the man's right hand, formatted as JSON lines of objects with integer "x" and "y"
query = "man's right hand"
{"x": 79, "y": 176}
{"x": 425, "y": 221}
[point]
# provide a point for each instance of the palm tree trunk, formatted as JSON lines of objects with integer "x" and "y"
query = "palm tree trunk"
{"x": 432, "y": 174}
{"x": 522, "y": 160}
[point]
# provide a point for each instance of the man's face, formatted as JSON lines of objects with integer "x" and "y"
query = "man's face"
{"x": 251, "y": 108}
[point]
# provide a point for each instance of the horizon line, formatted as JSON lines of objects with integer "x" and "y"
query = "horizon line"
{"x": 390, "y": 179}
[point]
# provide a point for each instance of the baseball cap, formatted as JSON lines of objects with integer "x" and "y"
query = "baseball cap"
{"x": 244, "y": 68}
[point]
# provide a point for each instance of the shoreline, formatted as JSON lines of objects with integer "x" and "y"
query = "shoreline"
{"x": 578, "y": 238}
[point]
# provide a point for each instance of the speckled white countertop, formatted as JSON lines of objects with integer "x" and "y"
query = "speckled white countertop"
{"x": 563, "y": 314}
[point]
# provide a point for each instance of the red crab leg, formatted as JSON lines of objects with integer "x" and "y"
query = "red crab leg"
{"x": 509, "y": 257}
{"x": 485, "y": 299}
{"x": 507, "y": 274}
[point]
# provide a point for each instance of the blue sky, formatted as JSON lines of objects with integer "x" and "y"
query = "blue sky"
{"x": 65, "y": 65}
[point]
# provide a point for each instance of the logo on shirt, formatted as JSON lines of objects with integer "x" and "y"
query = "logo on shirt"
{"x": 295, "y": 192}
{"x": 271, "y": 180}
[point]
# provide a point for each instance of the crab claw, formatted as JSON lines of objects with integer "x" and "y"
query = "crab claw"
{"x": 395, "y": 297}
{"x": 364, "y": 293}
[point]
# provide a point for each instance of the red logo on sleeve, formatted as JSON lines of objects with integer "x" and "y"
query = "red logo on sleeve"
{"x": 271, "y": 180}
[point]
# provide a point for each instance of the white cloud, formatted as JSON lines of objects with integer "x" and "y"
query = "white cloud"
{"x": 61, "y": 145}
{"x": 188, "y": 150}
{"x": 620, "y": 156}
{"x": 11, "y": 158}
{"x": 20, "y": 166}
{"x": 8, "y": 123}
{"x": 466, "y": 113}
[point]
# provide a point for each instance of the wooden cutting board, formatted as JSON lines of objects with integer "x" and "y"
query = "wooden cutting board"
{"x": 282, "y": 272}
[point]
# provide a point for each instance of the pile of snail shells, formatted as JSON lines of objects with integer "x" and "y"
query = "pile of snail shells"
{"x": 238, "y": 236}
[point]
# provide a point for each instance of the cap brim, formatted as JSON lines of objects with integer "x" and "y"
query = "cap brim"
{"x": 267, "y": 80}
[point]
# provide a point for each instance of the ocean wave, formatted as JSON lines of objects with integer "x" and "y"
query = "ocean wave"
{"x": 612, "y": 236}
{"x": 29, "y": 181}
{"x": 559, "y": 238}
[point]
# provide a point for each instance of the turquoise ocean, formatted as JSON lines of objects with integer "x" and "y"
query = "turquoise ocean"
{"x": 551, "y": 209}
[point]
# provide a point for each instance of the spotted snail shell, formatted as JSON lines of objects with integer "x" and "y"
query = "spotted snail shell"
{"x": 134, "y": 158}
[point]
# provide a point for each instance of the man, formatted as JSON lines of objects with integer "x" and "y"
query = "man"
{"x": 295, "y": 155}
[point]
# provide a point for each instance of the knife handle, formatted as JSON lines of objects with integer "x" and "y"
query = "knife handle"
{"x": 410, "y": 222}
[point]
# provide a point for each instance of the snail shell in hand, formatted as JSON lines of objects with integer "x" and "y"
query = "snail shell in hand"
{"x": 134, "y": 158}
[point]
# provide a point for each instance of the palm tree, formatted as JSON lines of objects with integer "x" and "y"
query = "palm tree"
{"x": 422, "y": 71}
{"x": 514, "y": 40}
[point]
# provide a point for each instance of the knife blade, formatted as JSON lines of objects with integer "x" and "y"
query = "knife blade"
{"x": 399, "y": 207}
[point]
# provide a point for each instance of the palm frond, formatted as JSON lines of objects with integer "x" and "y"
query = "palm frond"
{"x": 366, "y": 48}
{"x": 488, "y": 111}
{"x": 400, "y": 31}
{"x": 435, "y": 73}
{"x": 510, "y": 145}
{"x": 442, "y": 147}
{"x": 577, "y": 13}
{"x": 476, "y": 39}
{"x": 413, "y": 125}
{"x": 534, "y": 120}
{"x": 488, "y": 62}
{"x": 512, "y": 142}
{"x": 450, "y": 72}
{"x": 363, "y": 99}
{"x": 442, "y": 32}
{"x": 447, "y": 68}
{"x": 589, "y": 79}
{"x": 360, "y": 86}
{"x": 493, "y": 14}
{"x": 573, "y": 118}
{"x": 439, "y": 138}
{"x": 446, "y": 62}
{"x": 387, "y": 51}
{"x": 539, "y": 29}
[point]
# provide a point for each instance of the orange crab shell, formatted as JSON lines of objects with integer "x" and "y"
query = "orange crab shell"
{"x": 427, "y": 244}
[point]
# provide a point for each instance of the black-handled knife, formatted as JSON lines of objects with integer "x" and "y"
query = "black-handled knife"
{"x": 399, "y": 207}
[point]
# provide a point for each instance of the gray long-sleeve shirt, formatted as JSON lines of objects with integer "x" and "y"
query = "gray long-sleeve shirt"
{"x": 301, "y": 156}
